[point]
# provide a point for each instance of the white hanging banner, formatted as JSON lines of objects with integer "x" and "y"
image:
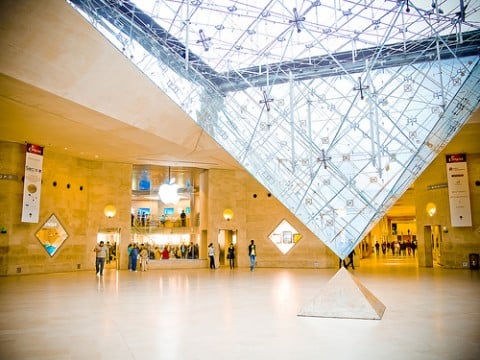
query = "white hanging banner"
{"x": 458, "y": 190}
{"x": 32, "y": 184}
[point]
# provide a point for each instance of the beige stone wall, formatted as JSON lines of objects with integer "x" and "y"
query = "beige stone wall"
{"x": 12, "y": 162}
{"x": 456, "y": 243}
{"x": 255, "y": 218}
{"x": 83, "y": 189}
{"x": 102, "y": 183}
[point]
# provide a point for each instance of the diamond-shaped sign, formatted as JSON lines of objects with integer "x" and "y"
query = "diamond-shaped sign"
{"x": 51, "y": 235}
{"x": 285, "y": 236}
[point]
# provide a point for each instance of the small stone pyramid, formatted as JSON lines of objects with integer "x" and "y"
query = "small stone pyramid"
{"x": 344, "y": 297}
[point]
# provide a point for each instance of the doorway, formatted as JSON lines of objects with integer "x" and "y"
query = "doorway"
{"x": 436, "y": 244}
{"x": 111, "y": 238}
{"x": 225, "y": 237}
{"x": 428, "y": 245}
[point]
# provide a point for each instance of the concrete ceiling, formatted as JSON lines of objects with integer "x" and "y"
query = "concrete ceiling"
{"x": 64, "y": 87}
{"x": 29, "y": 114}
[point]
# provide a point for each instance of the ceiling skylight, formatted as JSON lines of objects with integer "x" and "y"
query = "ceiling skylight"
{"x": 334, "y": 106}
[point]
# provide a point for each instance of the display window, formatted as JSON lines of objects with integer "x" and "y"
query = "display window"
{"x": 168, "y": 246}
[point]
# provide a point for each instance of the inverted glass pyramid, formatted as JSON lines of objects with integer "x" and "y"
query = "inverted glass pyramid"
{"x": 335, "y": 106}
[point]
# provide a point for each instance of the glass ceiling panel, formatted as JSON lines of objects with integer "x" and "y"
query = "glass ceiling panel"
{"x": 334, "y": 106}
{"x": 230, "y": 34}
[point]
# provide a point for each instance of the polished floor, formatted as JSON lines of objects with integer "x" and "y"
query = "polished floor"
{"x": 430, "y": 313}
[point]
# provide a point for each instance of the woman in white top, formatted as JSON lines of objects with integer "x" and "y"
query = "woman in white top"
{"x": 211, "y": 255}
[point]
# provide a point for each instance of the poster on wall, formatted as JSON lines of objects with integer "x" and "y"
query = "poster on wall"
{"x": 52, "y": 235}
{"x": 458, "y": 191}
{"x": 32, "y": 183}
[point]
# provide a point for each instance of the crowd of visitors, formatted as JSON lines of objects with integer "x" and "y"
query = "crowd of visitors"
{"x": 141, "y": 253}
{"x": 396, "y": 247}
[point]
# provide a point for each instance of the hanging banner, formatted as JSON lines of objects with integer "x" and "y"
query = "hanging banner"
{"x": 458, "y": 190}
{"x": 32, "y": 184}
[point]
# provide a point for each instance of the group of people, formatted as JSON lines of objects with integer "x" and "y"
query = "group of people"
{"x": 137, "y": 253}
{"x": 397, "y": 247}
{"x": 142, "y": 219}
{"x": 182, "y": 251}
{"x": 230, "y": 256}
{"x": 141, "y": 254}
{"x": 252, "y": 253}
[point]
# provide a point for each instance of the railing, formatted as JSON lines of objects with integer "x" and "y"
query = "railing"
{"x": 158, "y": 228}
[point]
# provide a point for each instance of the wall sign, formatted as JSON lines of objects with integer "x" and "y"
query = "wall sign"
{"x": 8, "y": 177}
{"x": 285, "y": 236}
{"x": 33, "y": 183}
{"x": 52, "y": 235}
{"x": 458, "y": 190}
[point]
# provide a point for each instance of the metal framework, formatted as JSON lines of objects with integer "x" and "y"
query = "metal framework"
{"x": 335, "y": 106}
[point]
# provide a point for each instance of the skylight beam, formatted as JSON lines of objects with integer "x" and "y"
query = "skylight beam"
{"x": 292, "y": 120}
{"x": 187, "y": 38}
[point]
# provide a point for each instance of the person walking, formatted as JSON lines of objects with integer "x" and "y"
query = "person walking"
{"x": 252, "y": 252}
{"x": 350, "y": 262}
{"x": 143, "y": 258}
{"x": 231, "y": 255}
{"x": 134, "y": 256}
{"x": 414, "y": 246}
{"x": 129, "y": 250}
{"x": 101, "y": 252}
{"x": 211, "y": 256}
